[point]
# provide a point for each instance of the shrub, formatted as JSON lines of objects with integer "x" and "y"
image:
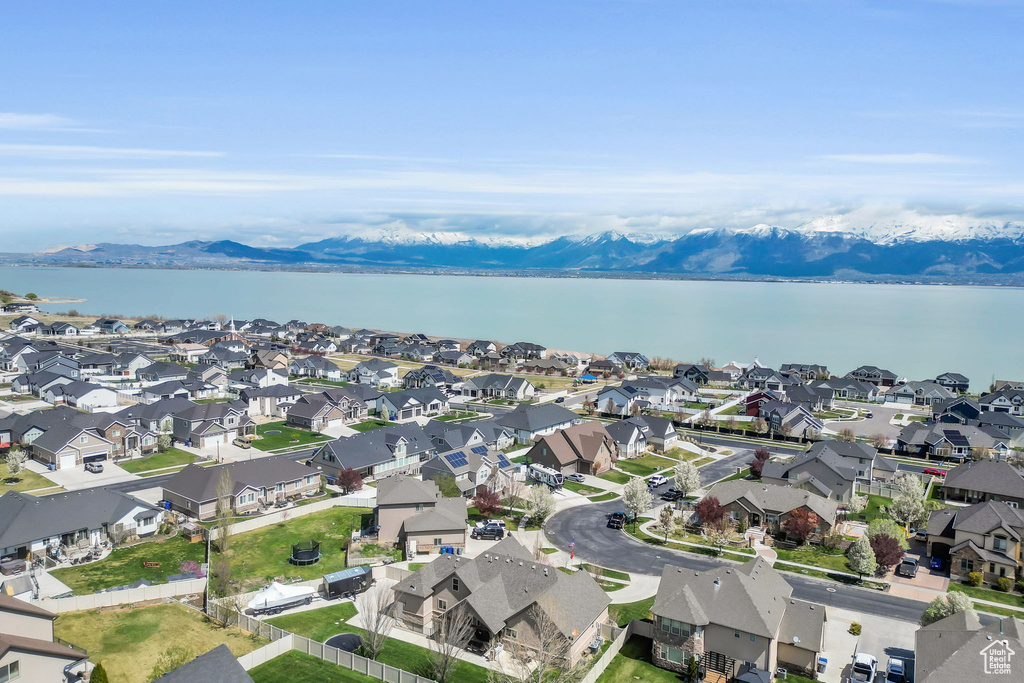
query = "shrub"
{"x": 1020, "y": 586}
{"x": 99, "y": 675}
{"x": 974, "y": 579}
{"x": 1004, "y": 584}
{"x": 855, "y": 629}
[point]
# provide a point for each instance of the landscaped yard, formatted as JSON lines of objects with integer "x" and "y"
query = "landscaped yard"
{"x": 298, "y": 667}
{"x": 412, "y": 658}
{"x": 124, "y": 565}
{"x": 129, "y": 642}
{"x": 615, "y": 477}
{"x": 315, "y": 381}
{"x": 873, "y": 510}
{"x": 816, "y": 557}
{"x": 644, "y": 465}
{"x": 604, "y": 496}
{"x": 257, "y": 557}
{"x": 703, "y": 461}
{"x": 456, "y": 415}
{"x": 582, "y": 489}
{"x": 169, "y": 458}
{"x": 284, "y": 436}
{"x": 627, "y": 612}
{"x": 367, "y": 425}
{"x": 682, "y": 454}
{"x": 317, "y": 624}
{"x": 26, "y": 480}
{"x": 743, "y": 474}
{"x": 607, "y": 573}
{"x": 634, "y": 663}
{"x": 1011, "y": 599}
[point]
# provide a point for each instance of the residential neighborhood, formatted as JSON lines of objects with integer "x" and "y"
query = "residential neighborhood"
{"x": 534, "y": 495}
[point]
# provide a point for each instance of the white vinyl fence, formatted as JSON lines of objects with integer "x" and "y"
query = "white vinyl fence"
{"x": 75, "y": 603}
{"x": 618, "y": 637}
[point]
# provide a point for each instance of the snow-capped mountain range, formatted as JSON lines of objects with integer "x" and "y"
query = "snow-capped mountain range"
{"x": 943, "y": 248}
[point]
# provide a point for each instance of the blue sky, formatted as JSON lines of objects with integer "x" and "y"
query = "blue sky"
{"x": 277, "y": 123}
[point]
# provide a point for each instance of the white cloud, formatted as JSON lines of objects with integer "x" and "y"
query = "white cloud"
{"x": 898, "y": 159}
{"x": 15, "y": 121}
{"x": 90, "y": 152}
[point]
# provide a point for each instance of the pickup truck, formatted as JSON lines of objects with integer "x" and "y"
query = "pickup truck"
{"x": 617, "y": 520}
{"x": 908, "y": 567}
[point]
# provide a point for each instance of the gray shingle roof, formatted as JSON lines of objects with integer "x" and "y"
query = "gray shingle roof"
{"x": 951, "y": 649}
{"x": 774, "y": 499}
{"x": 534, "y": 418}
{"x": 200, "y": 483}
{"x": 403, "y": 490}
{"x": 216, "y": 665}
{"x": 988, "y": 476}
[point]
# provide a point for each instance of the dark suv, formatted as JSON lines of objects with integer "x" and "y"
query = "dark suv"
{"x": 617, "y": 520}
{"x": 488, "y": 533}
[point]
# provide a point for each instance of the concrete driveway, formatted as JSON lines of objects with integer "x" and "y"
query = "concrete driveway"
{"x": 927, "y": 584}
{"x": 881, "y": 637}
{"x": 869, "y": 426}
{"x": 78, "y": 478}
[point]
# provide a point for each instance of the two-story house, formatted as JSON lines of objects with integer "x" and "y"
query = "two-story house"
{"x": 530, "y": 422}
{"x": 506, "y": 593}
{"x": 634, "y": 361}
{"x": 413, "y": 512}
{"x": 207, "y": 424}
{"x": 919, "y": 394}
{"x": 412, "y": 403}
{"x": 473, "y": 469}
{"x": 584, "y": 448}
{"x": 430, "y": 376}
{"x": 985, "y": 537}
{"x": 375, "y": 372}
{"x": 736, "y": 621}
{"x": 499, "y": 386}
{"x": 28, "y": 650}
{"x": 830, "y": 468}
{"x": 880, "y": 377}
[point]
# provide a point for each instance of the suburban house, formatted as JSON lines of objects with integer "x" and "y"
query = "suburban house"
{"x": 67, "y": 446}
{"x": 504, "y": 589}
{"x": 951, "y": 441}
{"x": 23, "y": 323}
{"x": 756, "y": 504}
{"x": 873, "y": 375}
{"x": 268, "y": 359}
{"x": 738, "y": 621}
{"x": 453, "y": 358}
{"x": 28, "y": 650}
{"x": 315, "y": 413}
{"x": 790, "y": 419}
{"x": 179, "y": 388}
{"x": 813, "y": 399}
{"x": 658, "y": 392}
{"x": 985, "y": 538}
{"x": 524, "y": 351}
{"x": 850, "y": 389}
{"x": 255, "y": 484}
{"x": 206, "y": 424}
{"x": 631, "y": 360}
{"x": 499, "y": 386}
{"x": 412, "y": 403}
{"x": 259, "y": 377}
{"x": 630, "y": 437}
{"x": 808, "y": 372}
{"x": 698, "y": 374}
{"x": 273, "y": 401}
{"x": 982, "y": 481}
{"x": 760, "y": 377}
{"x": 154, "y": 417}
{"x": 219, "y": 664}
{"x": 447, "y": 436}
{"x": 530, "y": 422}
{"x": 375, "y": 372}
{"x": 59, "y": 330}
{"x": 959, "y": 648}
{"x": 962, "y": 409}
{"x": 188, "y": 353}
{"x": 161, "y": 372}
{"x": 481, "y": 347}
{"x": 830, "y": 468}
{"x": 919, "y": 394}
{"x": 604, "y": 368}
{"x": 430, "y": 376}
{"x": 377, "y": 453}
{"x": 413, "y": 512}
{"x": 33, "y": 526}
{"x": 82, "y": 395}
{"x": 472, "y": 468}
{"x": 320, "y": 368}
{"x": 586, "y": 448}
{"x": 1007, "y": 400}
{"x": 954, "y": 381}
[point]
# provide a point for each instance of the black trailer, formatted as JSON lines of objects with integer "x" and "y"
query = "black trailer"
{"x": 347, "y": 582}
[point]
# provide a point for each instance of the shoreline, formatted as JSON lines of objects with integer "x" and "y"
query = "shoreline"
{"x": 921, "y": 281}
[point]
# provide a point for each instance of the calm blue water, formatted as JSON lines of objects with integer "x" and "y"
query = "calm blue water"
{"x": 915, "y": 331}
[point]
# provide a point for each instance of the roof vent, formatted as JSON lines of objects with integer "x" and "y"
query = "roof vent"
{"x": 718, "y": 583}
{"x": 545, "y": 571}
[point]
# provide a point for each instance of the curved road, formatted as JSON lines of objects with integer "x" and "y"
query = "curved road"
{"x": 586, "y": 526}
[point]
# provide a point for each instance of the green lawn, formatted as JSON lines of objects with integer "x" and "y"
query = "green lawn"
{"x": 581, "y": 489}
{"x": 124, "y": 565}
{"x": 737, "y": 409}
{"x": 644, "y": 465}
{"x": 1001, "y": 611}
{"x": 682, "y": 454}
{"x": 413, "y": 566}
{"x": 633, "y": 663}
{"x": 317, "y": 624}
{"x": 873, "y": 510}
{"x": 367, "y": 425}
{"x": 549, "y": 551}
{"x": 815, "y": 557}
{"x": 285, "y": 437}
{"x": 25, "y": 481}
{"x": 455, "y": 415}
{"x": 607, "y": 573}
{"x": 1011, "y": 599}
{"x": 739, "y": 475}
{"x": 257, "y": 557}
{"x": 129, "y": 642}
{"x": 615, "y": 477}
{"x": 703, "y": 461}
{"x": 627, "y": 612}
{"x": 604, "y": 496}
{"x": 314, "y": 381}
{"x": 412, "y": 658}
{"x": 169, "y": 458}
{"x": 298, "y": 667}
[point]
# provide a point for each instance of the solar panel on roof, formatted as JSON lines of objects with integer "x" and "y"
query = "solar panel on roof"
{"x": 503, "y": 461}
{"x": 479, "y": 450}
{"x": 457, "y": 459}
{"x": 956, "y": 438}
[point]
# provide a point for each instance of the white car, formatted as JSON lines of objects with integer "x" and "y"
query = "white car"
{"x": 864, "y": 667}
{"x": 578, "y": 478}
{"x": 657, "y": 480}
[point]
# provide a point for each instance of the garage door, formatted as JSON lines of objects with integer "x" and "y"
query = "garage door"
{"x": 406, "y": 414}
{"x": 67, "y": 461}
{"x": 337, "y": 422}
{"x": 94, "y": 457}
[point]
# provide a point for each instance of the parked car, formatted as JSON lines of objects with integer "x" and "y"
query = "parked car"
{"x": 921, "y": 534}
{"x": 500, "y": 523}
{"x": 671, "y": 495}
{"x": 864, "y": 667}
{"x": 480, "y": 642}
{"x": 935, "y": 472}
{"x": 869, "y": 415}
{"x": 657, "y": 480}
{"x": 895, "y": 671}
{"x": 488, "y": 533}
{"x": 617, "y": 520}
{"x": 560, "y": 399}
{"x": 242, "y": 443}
{"x": 94, "y": 467}
{"x": 578, "y": 478}
{"x": 935, "y": 563}
{"x": 908, "y": 567}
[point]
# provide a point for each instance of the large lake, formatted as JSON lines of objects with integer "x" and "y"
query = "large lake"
{"x": 915, "y": 331}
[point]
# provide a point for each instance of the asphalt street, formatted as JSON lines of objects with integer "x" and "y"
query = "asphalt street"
{"x": 586, "y": 526}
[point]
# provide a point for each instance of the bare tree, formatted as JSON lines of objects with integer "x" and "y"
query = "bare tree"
{"x": 514, "y": 491}
{"x": 705, "y": 420}
{"x": 760, "y": 427}
{"x": 547, "y": 661}
{"x": 451, "y": 633}
{"x": 375, "y": 609}
{"x": 709, "y": 363}
{"x": 880, "y": 441}
{"x": 731, "y": 423}
{"x": 225, "y": 498}
{"x": 846, "y": 434}
{"x": 784, "y": 430}
{"x": 609, "y": 407}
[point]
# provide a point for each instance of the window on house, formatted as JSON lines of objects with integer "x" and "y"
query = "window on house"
{"x": 437, "y": 541}
{"x": 442, "y": 604}
{"x": 999, "y": 543}
{"x": 735, "y": 634}
{"x": 10, "y": 672}
{"x": 419, "y": 507}
{"x": 511, "y": 633}
{"x": 966, "y": 565}
{"x": 753, "y": 638}
{"x": 675, "y": 655}
{"x": 992, "y": 567}
{"x": 83, "y": 439}
{"x": 455, "y": 585}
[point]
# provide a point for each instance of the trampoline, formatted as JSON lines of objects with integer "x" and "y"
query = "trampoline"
{"x": 305, "y": 553}
{"x": 349, "y": 642}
